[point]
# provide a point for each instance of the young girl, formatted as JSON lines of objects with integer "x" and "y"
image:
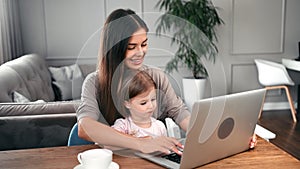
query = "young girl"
{"x": 139, "y": 95}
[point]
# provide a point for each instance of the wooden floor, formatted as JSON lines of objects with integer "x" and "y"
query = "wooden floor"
{"x": 287, "y": 132}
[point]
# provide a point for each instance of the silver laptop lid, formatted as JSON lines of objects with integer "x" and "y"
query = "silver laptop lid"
{"x": 221, "y": 126}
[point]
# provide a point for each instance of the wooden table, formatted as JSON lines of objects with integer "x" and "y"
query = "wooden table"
{"x": 265, "y": 155}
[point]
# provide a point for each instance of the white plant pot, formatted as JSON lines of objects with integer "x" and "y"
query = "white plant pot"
{"x": 193, "y": 89}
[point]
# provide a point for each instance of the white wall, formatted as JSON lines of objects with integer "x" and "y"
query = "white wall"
{"x": 65, "y": 31}
{"x": 266, "y": 29}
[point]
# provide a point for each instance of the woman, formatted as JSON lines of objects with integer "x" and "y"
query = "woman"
{"x": 123, "y": 48}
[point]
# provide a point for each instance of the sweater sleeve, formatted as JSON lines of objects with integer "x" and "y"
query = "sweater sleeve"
{"x": 169, "y": 104}
{"x": 89, "y": 106}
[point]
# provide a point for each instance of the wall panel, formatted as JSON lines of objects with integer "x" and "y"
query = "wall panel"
{"x": 244, "y": 77}
{"x": 69, "y": 25}
{"x": 258, "y": 26}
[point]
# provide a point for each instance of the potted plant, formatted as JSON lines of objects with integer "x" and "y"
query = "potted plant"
{"x": 193, "y": 23}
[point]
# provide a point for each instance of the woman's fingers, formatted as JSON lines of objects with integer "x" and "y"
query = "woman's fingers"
{"x": 253, "y": 141}
{"x": 161, "y": 144}
{"x": 177, "y": 147}
{"x": 176, "y": 150}
{"x": 171, "y": 144}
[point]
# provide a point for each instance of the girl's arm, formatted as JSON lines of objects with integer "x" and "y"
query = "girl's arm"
{"x": 105, "y": 135}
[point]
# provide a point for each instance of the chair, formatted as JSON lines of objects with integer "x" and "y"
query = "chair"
{"x": 275, "y": 76}
{"x": 74, "y": 139}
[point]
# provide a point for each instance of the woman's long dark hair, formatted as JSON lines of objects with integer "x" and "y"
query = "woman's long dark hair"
{"x": 117, "y": 30}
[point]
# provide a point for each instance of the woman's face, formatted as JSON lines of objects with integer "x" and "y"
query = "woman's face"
{"x": 142, "y": 106}
{"x": 136, "y": 49}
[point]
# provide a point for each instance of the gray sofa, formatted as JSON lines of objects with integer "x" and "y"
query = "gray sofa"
{"x": 44, "y": 120}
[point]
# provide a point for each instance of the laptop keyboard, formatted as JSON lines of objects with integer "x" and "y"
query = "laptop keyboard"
{"x": 173, "y": 157}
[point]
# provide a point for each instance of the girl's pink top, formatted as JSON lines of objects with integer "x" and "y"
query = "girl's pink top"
{"x": 127, "y": 126}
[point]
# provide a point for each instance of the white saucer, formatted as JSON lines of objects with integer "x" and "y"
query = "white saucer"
{"x": 113, "y": 165}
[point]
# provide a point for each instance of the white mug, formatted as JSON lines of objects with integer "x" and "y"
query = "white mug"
{"x": 95, "y": 158}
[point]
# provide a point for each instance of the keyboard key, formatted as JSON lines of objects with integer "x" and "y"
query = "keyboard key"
{"x": 173, "y": 157}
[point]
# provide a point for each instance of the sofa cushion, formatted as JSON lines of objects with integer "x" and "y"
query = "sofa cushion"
{"x": 33, "y": 77}
{"x": 70, "y": 89}
{"x": 19, "y": 98}
{"x": 65, "y": 72}
{"x": 68, "y": 79}
{"x": 10, "y": 82}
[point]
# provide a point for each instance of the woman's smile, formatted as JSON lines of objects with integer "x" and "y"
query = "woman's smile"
{"x": 137, "y": 61}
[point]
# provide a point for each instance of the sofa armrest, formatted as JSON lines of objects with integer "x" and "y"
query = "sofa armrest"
{"x": 24, "y": 109}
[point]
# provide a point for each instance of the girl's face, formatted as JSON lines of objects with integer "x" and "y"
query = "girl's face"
{"x": 142, "y": 106}
{"x": 136, "y": 49}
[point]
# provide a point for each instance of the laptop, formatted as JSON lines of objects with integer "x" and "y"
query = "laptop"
{"x": 220, "y": 127}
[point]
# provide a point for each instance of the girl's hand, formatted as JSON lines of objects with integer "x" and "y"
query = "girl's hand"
{"x": 160, "y": 144}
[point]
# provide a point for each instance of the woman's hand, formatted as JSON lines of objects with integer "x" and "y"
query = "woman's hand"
{"x": 161, "y": 144}
{"x": 253, "y": 141}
